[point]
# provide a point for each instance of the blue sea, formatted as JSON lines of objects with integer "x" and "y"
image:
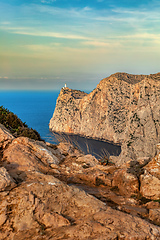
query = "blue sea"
{"x": 36, "y": 109}
{"x": 33, "y": 107}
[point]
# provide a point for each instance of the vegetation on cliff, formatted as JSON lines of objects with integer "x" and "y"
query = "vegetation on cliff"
{"x": 16, "y": 126}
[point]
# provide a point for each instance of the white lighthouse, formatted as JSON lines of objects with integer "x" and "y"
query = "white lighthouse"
{"x": 65, "y": 86}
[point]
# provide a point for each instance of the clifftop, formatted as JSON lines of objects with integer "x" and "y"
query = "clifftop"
{"x": 132, "y": 78}
{"x": 129, "y": 78}
{"x": 77, "y": 94}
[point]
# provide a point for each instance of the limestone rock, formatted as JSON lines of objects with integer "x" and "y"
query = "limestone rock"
{"x": 153, "y": 167}
{"x": 40, "y": 150}
{"x": 86, "y": 168}
{"x": 3, "y": 218}
{"x": 150, "y": 181}
{"x": 134, "y": 210}
{"x": 54, "y": 220}
{"x": 132, "y": 227}
{"x": 24, "y": 155}
{"x": 152, "y": 205}
{"x": 158, "y": 148}
{"x": 154, "y": 215}
{"x": 6, "y": 182}
{"x": 150, "y": 186}
{"x": 87, "y": 161}
{"x": 5, "y": 136}
{"x": 126, "y": 182}
{"x": 46, "y": 206}
{"x": 123, "y": 109}
{"x": 63, "y": 194}
{"x": 67, "y": 148}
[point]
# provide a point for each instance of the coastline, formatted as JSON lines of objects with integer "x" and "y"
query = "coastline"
{"x": 96, "y": 147}
{"x": 86, "y": 137}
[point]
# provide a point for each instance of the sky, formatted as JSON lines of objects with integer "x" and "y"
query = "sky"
{"x": 47, "y": 43}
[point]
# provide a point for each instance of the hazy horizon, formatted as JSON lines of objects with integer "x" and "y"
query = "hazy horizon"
{"x": 47, "y": 43}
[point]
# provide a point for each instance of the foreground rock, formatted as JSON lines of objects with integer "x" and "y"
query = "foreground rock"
{"x": 150, "y": 181}
{"x": 123, "y": 109}
{"x": 5, "y": 136}
{"x": 36, "y": 204}
{"x": 6, "y": 182}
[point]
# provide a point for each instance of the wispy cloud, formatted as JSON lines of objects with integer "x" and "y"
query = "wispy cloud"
{"x": 5, "y": 23}
{"x": 107, "y": 41}
{"x": 48, "y": 1}
{"x": 52, "y": 34}
{"x": 87, "y": 18}
{"x": 146, "y": 36}
{"x": 143, "y": 13}
{"x": 96, "y": 43}
{"x": 12, "y": 29}
{"x": 87, "y": 9}
{"x": 42, "y": 47}
{"x": 44, "y": 36}
{"x": 4, "y": 77}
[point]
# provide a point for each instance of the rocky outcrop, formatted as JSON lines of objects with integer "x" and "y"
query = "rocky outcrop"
{"x": 126, "y": 182}
{"x": 57, "y": 192}
{"x": 5, "y": 136}
{"x": 150, "y": 180}
{"x": 6, "y": 182}
{"x": 123, "y": 109}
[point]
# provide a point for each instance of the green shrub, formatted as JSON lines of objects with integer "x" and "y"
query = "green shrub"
{"x": 16, "y": 126}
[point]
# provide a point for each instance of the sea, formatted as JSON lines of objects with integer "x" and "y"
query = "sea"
{"x": 36, "y": 108}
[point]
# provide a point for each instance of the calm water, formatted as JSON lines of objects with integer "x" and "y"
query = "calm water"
{"x": 36, "y": 109}
{"x": 33, "y": 107}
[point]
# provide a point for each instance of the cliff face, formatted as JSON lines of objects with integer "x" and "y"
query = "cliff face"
{"x": 123, "y": 109}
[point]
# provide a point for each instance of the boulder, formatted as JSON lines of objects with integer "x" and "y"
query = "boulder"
{"x": 150, "y": 186}
{"x": 67, "y": 148}
{"x": 150, "y": 180}
{"x": 39, "y": 149}
{"x": 87, "y": 161}
{"x": 153, "y": 167}
{"x": 6, "y": 181}
{"x": 54, "y": 220}
{"x": 126, "y": 182}
{"x": 152, "y": 205}
{"x": 5, "y": 136}
{"x": 24, "y": 155}
{"x": 154, "y": 215}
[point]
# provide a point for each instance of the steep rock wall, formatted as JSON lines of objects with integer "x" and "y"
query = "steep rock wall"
{"x": 123, "y": 109}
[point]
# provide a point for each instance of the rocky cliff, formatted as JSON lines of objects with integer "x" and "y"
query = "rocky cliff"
{"x": 123, "y": 109}
{"x": 57, "y": 192}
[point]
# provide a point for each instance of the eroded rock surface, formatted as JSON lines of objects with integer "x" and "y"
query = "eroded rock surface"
{"x": 6, "y": 182}
{"x": 60, "y": 193}
{"x": 5, "y": 136}
{"x": 150, "y": 180}
{"x": 123, "y": 109}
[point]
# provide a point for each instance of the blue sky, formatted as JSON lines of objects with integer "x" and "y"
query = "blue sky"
{"x": 45, "y": 43}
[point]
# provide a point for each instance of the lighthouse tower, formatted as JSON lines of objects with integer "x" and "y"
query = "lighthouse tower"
{"x": 65, "y": 86}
